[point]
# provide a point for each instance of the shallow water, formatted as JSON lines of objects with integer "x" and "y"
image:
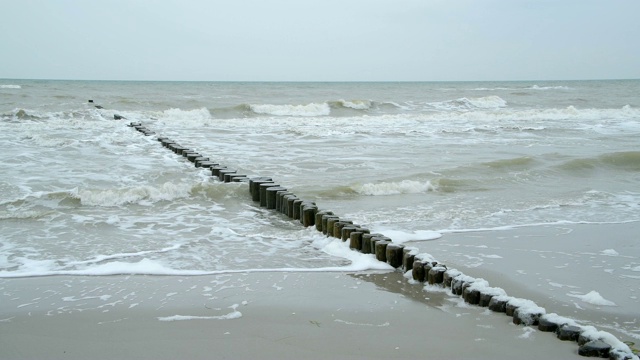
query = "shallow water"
{"x": 82, "y": 192}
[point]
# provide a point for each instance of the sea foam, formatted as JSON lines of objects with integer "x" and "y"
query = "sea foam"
{"x": 134, "y": 195}
{"x": 186, "y": 117}
{"x": 107, "y": 265}
{"x": 593, "y": 298}
{"x": 393, "y": 188}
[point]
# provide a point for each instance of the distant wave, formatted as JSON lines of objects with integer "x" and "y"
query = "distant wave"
{"x": 355, "y": 107}
{"x": 352, "y": 104}
{"x": 485, "y": 103}
{"x": 518, "y": 162}
{"x": 10, "y": 87}
{"x": 312, "y": 109}
{"x": 342, "y": 106}
{"x": 536, "y": 87}
{"x": 491, "y": 89}
{"x": 491, "y": 109}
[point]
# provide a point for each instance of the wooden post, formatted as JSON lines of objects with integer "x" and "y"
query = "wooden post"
{"x": 345, "y": 233}
{"x": 337, "y": 228}
{"x": 355, "y": 240}
{"x": 394, "y": 254}
{"x": 263, "y": 192}
{"x": 309, "y": 215}
{"x": 381, "y": 250}
{"x": 271, "y": 193}
{"x": 319, "y": 215}
{"x": 223, "y": 172}
{"x": 254, "y": 186}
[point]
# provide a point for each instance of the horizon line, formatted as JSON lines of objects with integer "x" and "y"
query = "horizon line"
{"x": 318, "y": 81}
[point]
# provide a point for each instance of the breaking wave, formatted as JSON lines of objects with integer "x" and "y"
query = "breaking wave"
{"x": 142, "y": 195}
{"x": 394, "y": 188}
{"x": 312, "y": 109}
{"x": 465, "y": 104}
{"x": 179, "y": 115}
{"x": 536, "y": 87}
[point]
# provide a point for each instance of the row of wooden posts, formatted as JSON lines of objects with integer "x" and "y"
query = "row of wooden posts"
{"x": 270, "y": 195}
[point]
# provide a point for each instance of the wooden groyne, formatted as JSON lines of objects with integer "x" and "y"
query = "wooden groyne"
{"x": 267, "y": 193}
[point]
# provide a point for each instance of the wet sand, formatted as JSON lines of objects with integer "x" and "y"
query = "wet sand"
{"x": 266, "y": 316}
{"x": 364, "y": 315}
{"x": 555, "y": 266}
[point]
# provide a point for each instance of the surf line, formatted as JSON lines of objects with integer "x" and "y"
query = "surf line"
{"x": 424, "y": 269}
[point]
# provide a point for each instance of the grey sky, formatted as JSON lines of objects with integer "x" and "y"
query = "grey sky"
{"x": 320, "y": 40}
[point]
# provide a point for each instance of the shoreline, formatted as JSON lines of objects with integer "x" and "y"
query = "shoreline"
{"x": 308, "y": 315}
{"x": 275, "y": 314}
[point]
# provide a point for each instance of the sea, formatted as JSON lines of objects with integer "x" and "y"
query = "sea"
{"x": 84, "y": 194}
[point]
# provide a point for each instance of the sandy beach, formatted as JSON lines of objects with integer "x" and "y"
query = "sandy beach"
{"x": 314, "y": 315}
{"x": 123, "y": 249}
{"x": 339, "y": 315}
{"x": 588, "y": 272}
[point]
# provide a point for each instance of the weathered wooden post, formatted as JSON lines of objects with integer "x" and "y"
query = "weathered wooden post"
{"x": 309, "y": 214}
{"x": 287, "y": 204}
{"x": 436, "y": 275}
{"x": 355, "y": 240}
{"x": 319, "y": 215}
{"x": 408, "y": 257}
{"x": 337, "y": 228}
{"x": 394, "y": 254}
{"x": 326, "y": 225}
{"x": 254, "y": 186}
{"x": 224, "y": 172}
{"x": 279, "y": 200}
{"x": 215, "y": 170}
{"x": 381, "y": 250}
{"x": 263, "y": 192}
{"x": 271, "y": 193}
{"x": 345, "y": 233}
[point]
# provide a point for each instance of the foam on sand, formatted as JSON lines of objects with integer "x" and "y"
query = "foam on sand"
{"x": 594, "y": 298}
{"x": 235, "y": 314}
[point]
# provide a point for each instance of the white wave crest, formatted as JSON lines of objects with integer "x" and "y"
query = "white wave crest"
{"x": 179, "y": 115}
{"x": 136, "y": 195}
{"x": 312, "y": 109}
{"x": 394, "y": 188}
{"x": 536, "y": 87}
{"x": 490, "y": 89}
{"x": 356, "y": 104}
{"x": 10, "y": 86}
{"x": 46, "y": 140}
{"x": 464, "y": 104}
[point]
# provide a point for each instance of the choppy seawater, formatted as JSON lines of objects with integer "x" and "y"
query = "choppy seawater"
{"x": 81, "y": 193}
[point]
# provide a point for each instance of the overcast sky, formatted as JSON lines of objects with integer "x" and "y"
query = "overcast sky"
{"x": 320, "y": 40}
